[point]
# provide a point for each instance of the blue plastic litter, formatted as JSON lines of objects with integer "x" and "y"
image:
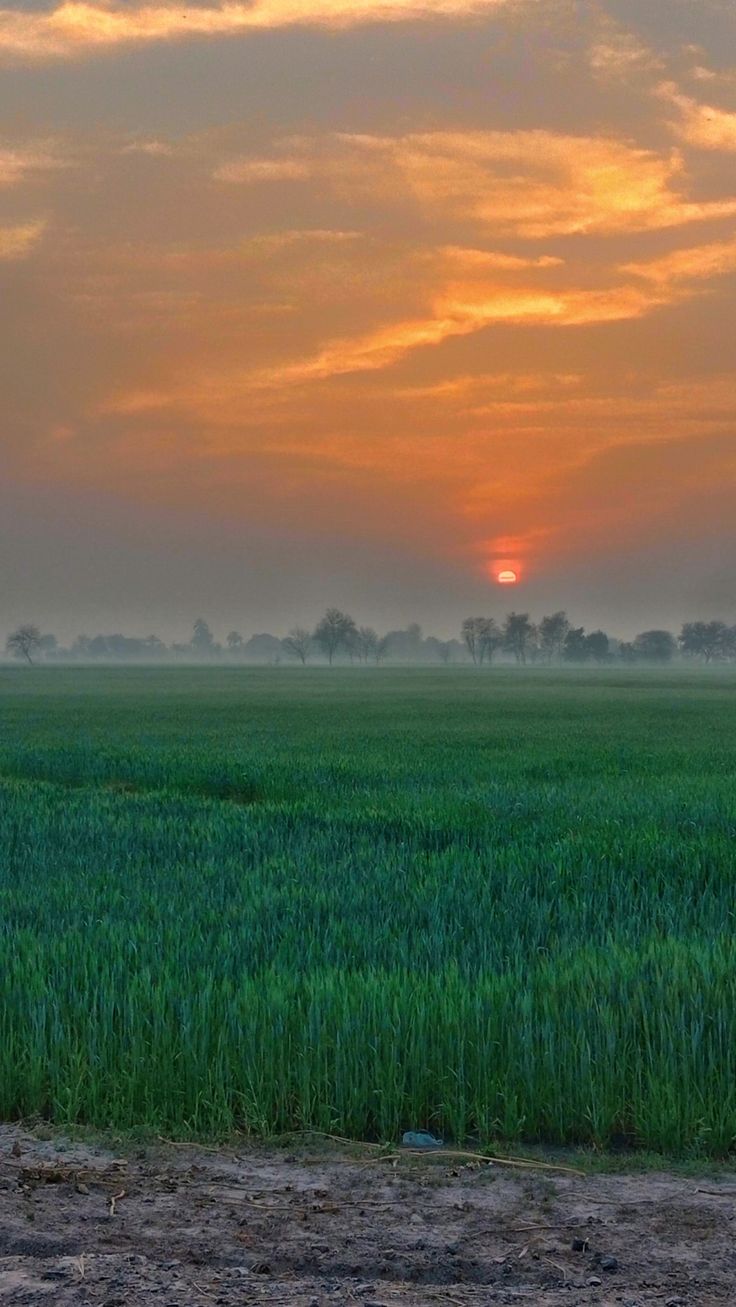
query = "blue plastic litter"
{"x": 420, "y": 1139}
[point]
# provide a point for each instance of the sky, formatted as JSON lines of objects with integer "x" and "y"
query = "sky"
{"x": 355, "y": 302}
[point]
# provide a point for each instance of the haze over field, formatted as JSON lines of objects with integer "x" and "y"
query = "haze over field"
{"x": 351, "y": 302}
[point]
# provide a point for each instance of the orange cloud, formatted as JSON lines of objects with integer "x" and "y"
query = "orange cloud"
{"x": 700, "y": 125}
{"x": 153, "y": 148}
{"x": 698, "y": 263}
{"x": 465, "y": 310}
{"x": 531, "y": 184}
{"x": 459, "y": 309}
{"x": 17, "y": 242}
{"x": 619, "y": 55}
{"x": 75, "y": 28}
{"x": 17, "y": 163}
{"x": 450, "y": 291}
{"x": 263, "y": 170}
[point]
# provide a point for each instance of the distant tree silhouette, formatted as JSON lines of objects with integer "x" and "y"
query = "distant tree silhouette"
{"x": 482, "y": 638}
{"x": 203, "y": 641}
{"x": 490, "y": 639}
{"x": 24, "y": 642}
{"x": 438, "y": 650}
{"x": 598, "y": 646}
{"x": 655, "y": 646}
{"x": 518, "y": 635}
{"x": 471, "y": 635}
{"x": 552, "y": 632}
{"x": 335, "y": 631}
{"x": 575, "y": 649}
{"x": 263, "y": 648}
{"x": 366, "y": 643}
{"x": 706, "y": 640}
{"x": 405, "y": 645}
{"x": 298, "y": 643}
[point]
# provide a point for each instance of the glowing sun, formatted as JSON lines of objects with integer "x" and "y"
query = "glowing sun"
{"x": 507, "y": 576}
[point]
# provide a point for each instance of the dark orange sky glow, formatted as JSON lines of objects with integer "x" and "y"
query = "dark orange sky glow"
{"x": 366, "y": 303}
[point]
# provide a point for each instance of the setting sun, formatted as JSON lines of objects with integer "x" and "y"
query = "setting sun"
{"x": 507, "y": 577}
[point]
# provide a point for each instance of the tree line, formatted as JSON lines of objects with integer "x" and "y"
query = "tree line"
{"x": 336, "y": 636}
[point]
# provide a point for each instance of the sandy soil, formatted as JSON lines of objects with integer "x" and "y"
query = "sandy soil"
{"x": 185, "y": 1227}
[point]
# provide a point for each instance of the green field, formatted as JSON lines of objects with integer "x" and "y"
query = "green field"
{"x": 493, "y": 903}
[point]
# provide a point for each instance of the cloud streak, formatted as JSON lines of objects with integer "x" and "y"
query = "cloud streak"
{"x": 466, "y": 303}
{"x": 532, "y": 184}
{"x": 73, "y": 29}
{"x": 17, "y": 242}
{"x": 462, "y": 311}
{"x": 696, "y": 263}
{"x": 19, "y": 162}
{"x": 702, "y": 126}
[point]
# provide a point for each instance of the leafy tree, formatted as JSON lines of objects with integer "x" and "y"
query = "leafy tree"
{"x": 655, "y": 646}
{"x": 263, "y": 648}
{"x": 518, "y": 635}
{"x": 706, "y": 640}
{"x": 575, "y": 646}
{"x": 552, "y": 633}
{"x": 335, "y": 631}
{"x": 234, "y": 641}
{"x": 406, "y": 645}
{"x": 598, "y": 646}
{"x": 24, "y": 642}
{"x": 298, "y": 643}
{"x": 203, "y": 641}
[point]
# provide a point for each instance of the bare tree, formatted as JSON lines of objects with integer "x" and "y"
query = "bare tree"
{"x": 490, "y": 639}
{"x": 24, "y": 642}
{"x": 382, "y": 649}
{"x": 482, "y": 637}
{"x": 366, "y": 643}
{"x": 469, "y": 631}
{"x": 298, "y": 643}
{"x": 518, "y": 635}
{"x": 335, "y": 631}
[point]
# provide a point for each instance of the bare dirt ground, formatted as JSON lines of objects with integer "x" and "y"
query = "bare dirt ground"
{"x": 188, "y": 1227}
